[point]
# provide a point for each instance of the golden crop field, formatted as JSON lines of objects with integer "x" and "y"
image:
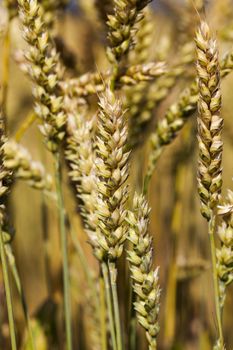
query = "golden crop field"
{"x": 116, "y": 168}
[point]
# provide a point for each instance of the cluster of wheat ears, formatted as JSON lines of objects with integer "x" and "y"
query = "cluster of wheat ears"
{"x": 92, "y": 123}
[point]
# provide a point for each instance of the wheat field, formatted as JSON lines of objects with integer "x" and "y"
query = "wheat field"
{"x": 116, "y": 193}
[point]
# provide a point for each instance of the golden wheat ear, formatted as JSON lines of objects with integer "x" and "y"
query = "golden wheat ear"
{"x": 112, "y": 170}
{"x": 209, "y": 121}
{"x": 209, "y": 127}
{"x": 46, "y": 73}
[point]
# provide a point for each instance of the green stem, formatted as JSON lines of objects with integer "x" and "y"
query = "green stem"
{"x": 114, "y": 77}
{"x": 8, "y": 292}
{"x": 64, "y": 248}
{"x": 215, "y": 278}
{"x": 45, "y": 236}
{"x": 132, "y": 319}
{"x": 14, "y": 271}
{"x": 83, "y": 260}
{"x": 150, "y": 168}
{"x": 103, "y": 315}
{"x": 113, "y": 277}
{"x": 109, "y": 304}
{"x": 146, "y": 185}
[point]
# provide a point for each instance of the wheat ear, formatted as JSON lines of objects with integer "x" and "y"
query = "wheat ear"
{"x": 18, "y": 160}
{"x": 144, "y": 277}
{"x": 210, "y": 125}
{"x": 45, "y": 70}
{"x": 169, "y": 127}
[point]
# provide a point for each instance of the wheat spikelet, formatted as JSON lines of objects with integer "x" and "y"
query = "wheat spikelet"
{"x": 112, "y": 172}
{"x": 142, "y": 72}
{"x": 100, "y": 176}
{"x": 18, "y": 160}
{"x": 80, "y": 156}
{"x": 171, "y": 124}
{"x": 144, "y": 278}
{"x": 92, "y": 83}
{"x": 209, "y": 121}
{"x": 45, "y": 71}
{"x": 49, "y": 7}
{"x": 121, "y": 23}
{"x": 83, "y": 86}
{"x": 209, "y": 125}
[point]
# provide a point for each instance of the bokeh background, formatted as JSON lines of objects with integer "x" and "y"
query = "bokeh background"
{"x": 180, "y": 233}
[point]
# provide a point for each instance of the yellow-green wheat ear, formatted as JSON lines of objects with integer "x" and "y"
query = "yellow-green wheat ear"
{"x": 126, "y": 13}
{"x": 144, "y": 277}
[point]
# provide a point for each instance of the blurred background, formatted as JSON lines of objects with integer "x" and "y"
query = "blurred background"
{"x": 180, "y": 233}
